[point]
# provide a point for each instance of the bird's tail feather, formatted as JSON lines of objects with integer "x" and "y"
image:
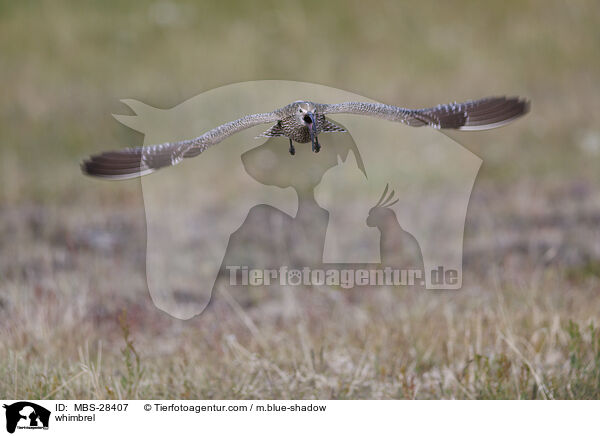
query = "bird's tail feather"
{"x": 330, "y": 126}
{"x": 273, "y": 131}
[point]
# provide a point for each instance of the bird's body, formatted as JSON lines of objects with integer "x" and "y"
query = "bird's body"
{"x": 300, "y": 133}
{"x": 294, "y": 131}
{"x": 302, "y": 122}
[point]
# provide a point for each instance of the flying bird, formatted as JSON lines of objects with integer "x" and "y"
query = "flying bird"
{"x": 302, "y": 122}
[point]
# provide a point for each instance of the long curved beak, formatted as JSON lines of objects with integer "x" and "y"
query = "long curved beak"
{"x": 312, "y": 129}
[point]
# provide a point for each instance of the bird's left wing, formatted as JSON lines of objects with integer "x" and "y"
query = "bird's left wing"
{"x": 482, "y": 114}
{"x": 139, "y": 161}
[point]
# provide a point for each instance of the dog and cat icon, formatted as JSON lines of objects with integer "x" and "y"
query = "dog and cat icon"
{"x": 26, "y": 415}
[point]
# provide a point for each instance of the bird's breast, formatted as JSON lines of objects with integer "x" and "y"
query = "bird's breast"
{"x": 295, "y": 131}
{"x": 299, "y": 132}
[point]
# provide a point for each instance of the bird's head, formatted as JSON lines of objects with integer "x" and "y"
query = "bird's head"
{"x": 305, "y": 113}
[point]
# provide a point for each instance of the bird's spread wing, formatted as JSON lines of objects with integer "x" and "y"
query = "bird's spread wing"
{"x": 139, "y": 161}
{"x": 483, "y": 114}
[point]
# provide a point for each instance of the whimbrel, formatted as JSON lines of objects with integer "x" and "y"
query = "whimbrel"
{"x": 302, "y": 122}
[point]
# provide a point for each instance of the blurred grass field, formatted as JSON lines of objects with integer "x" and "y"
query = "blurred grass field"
{"x": 77, "y": 320}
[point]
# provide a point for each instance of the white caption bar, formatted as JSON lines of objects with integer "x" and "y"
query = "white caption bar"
{"x": 299, "y": 417}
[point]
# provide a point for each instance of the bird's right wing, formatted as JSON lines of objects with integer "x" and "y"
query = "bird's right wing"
{"x": 482, "y": 114}
{"x": 139, "y": 161}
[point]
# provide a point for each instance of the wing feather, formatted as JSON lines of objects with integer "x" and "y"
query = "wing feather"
{"x": 481, "y": 114}
{"x": 134, "y": 162}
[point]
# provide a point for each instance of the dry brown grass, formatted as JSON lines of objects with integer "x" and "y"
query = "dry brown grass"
{"x": 78, "y": 321}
